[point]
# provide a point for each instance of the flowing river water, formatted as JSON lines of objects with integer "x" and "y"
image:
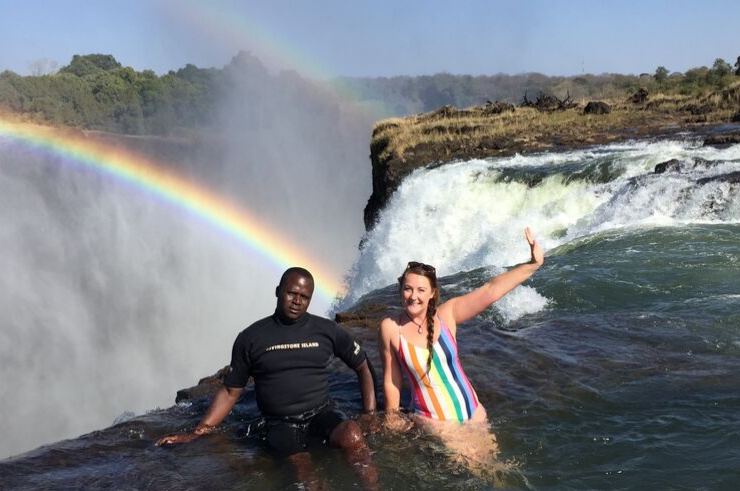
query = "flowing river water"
{"x": 617, "y": 366}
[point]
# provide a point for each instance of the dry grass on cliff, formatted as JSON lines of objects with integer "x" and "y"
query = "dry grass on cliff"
{"x": 523, "y": 126}
{"x": 728, "y": 98}
{"x": 527, "y": 127}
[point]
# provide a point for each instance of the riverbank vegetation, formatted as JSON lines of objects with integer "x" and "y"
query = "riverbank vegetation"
{"x": 96, "y": 92}
{"x": 497, "y": 128}
{"x": 479, "y": 130}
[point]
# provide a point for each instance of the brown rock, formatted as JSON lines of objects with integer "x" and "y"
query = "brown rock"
{"x": 669, "y": 165}
{"x": 368, "y": 315}
{"x": 721, "y": 140}
{"x": 597, "y": 107}
{"x": 498, "y": 107}
{"x": 446, "y": 111}
{"x": 639, "y": 97}
{"x": 207, "y": 387}
{"x": 700, "y": 110}
{"x": 732, "y": 178}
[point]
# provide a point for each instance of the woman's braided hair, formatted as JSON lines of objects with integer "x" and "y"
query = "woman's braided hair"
{"x": 431, "y": 274}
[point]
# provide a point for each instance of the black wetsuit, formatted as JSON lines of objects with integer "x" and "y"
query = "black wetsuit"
{"x": 289, "y": 364}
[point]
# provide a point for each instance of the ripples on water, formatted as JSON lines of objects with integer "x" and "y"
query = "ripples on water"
{"x": 622, "y": 372}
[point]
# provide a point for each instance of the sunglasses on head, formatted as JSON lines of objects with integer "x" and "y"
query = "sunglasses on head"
{"x": 424, "y": 267}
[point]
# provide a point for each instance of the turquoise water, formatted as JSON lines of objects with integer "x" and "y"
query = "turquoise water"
{"x": 636, "y": 373}
{"x": 626, "y": 380}
{"x": 618, "y": 365}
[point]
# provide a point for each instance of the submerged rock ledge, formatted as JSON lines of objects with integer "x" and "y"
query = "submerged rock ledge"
{"x": 401, "y": 145}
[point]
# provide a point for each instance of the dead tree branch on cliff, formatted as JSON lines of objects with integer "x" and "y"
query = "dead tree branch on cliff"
{"x": 526, "y": 102}
{"x": 549, "y": 103}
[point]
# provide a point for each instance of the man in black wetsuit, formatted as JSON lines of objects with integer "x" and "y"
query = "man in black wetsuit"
{"x": 287, "y": 354}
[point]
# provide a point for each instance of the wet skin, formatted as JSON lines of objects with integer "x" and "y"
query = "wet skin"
{"x": 293, "y": 298}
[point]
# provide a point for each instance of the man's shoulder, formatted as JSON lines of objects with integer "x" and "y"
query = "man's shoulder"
{"x": 257, "y": 326}
{"x": 322, "y": 322}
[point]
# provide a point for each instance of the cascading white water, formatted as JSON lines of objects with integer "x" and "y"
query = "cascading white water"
{"x": 111, "y": 300}
{"x": 468, "y": 215}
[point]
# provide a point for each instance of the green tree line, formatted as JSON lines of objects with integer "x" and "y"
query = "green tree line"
{"x": 403, "y": 95}
{"x": 96, "y": 92}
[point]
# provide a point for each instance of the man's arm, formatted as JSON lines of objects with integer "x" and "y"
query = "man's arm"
{"x": 367, "y": 386}
{"x": 221, "y": 406}
{"x": 350, "y": 352}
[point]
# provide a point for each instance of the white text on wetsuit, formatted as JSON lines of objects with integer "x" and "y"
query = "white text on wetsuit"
{"x": 293, "y": 346}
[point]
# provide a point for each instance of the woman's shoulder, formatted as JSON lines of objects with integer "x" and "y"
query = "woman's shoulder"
{"x": 444, "y": 314}
{"x": 388, "y": 322}
{"x": 444, "y": 311}
{"x": 389, "y": 325}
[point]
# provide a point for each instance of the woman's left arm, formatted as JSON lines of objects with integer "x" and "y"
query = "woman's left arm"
{"x": 471, "y": 304}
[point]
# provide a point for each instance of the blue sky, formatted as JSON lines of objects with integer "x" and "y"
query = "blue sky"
{"x": 376, "y": 38}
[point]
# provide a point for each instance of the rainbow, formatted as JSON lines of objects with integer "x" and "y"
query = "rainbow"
{"x": 147, "y": 175}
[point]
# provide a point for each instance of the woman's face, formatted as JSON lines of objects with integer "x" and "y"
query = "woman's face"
{"x": 416, "y": 291}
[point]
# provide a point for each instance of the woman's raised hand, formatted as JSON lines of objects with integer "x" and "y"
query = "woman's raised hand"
{"x": 538, "y": 256}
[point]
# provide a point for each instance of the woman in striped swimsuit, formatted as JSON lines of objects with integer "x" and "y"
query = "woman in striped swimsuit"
{"x": 421, "y": 341}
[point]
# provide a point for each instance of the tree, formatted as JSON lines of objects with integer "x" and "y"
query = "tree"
{"x": 696, "y": 77}
{"x": 737, "y": 66}
{"x": 9, "y": 95}
{"x": 719, "y": 72}
{"x": 721, "y": 68}
{"x": 661, "y": 74}
{"x": 104, "y": 62}
{"x": 82, "y": 65}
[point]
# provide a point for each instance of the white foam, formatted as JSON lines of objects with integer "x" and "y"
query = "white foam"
{"x": 521, "y": 301}
{"x": 463, "y": 216}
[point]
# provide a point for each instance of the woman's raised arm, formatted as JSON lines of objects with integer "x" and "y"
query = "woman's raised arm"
{"x": 471, "y": 304}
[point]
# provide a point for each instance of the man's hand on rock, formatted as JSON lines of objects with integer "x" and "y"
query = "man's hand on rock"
{"x": 179, "y": 438}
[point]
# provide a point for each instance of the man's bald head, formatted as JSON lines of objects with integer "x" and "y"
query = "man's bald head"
{"x": 298, "y": 271}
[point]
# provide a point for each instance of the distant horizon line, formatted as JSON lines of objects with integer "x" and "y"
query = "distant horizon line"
{"x": 57, "y": 66}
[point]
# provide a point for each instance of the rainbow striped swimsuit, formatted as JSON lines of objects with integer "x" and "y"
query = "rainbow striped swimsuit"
{"x": 445, "y": 392}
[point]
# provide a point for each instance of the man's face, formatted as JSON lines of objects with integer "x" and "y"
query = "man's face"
{"x": 293, "y": 296}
